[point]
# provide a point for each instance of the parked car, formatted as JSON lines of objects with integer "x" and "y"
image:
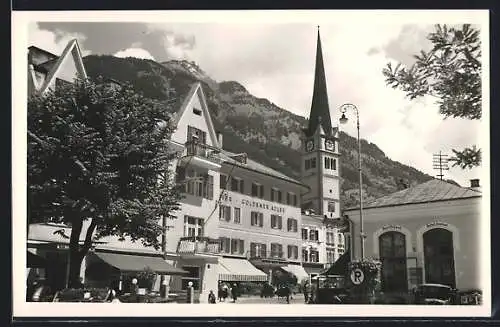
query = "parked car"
{"x": 434, "y": 294}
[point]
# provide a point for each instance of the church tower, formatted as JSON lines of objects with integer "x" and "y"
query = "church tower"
{"x": 320, "y": 150}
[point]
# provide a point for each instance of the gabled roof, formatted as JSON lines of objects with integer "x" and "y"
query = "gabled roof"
{"x": 51, "y": 67}
{"x": 227, "y": 157}
{"x": 431, "y": 191}
{"x": 197, "y": 90}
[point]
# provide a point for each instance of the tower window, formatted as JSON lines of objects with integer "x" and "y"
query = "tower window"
{"x": 197, "y": 112}
{"x": 331, "y": 206}
{"x": 330, "y": 163}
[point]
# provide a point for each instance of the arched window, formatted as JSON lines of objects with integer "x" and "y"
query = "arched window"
{"x": 438, "y": 257}
{"x": 392, "y": 250}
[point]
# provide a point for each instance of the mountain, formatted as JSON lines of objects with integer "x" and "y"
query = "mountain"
{"x": 269, "y": 134}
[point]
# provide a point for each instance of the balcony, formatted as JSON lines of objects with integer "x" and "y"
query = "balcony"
{"x": 198, "y": 245}
{"x": 265, "y": 258}
{"x": 201, "y": 155}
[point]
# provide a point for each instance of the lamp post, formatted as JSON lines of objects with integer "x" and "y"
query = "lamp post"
{"x": 343, "y": 119}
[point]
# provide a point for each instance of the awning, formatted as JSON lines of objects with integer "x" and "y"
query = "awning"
{"x": 339, "y": 267}
{"x": 34, "y": 261}
{"x": 296, "y": 270}
{"x": 137, "y": 263}
{"x": 239, "y": 270}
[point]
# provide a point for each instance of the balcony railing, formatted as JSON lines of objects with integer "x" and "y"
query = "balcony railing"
{"x": 195, "y": 148}
{"x": 198, "y": 244}
{"x": 266, "y": 255}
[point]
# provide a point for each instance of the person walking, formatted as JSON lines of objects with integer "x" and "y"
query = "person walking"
{"x": 234, "y": 293}
{"x": 211, "y": 297}
{"x": 305, "y": 290}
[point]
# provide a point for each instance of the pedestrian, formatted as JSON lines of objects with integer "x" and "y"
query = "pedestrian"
{"x": 305, "y": 289}
{"x": 219, "y": 292}
{"x": 211, "y": 297}
{"x": 234, "y": 293}
{"x": 225, "y": 291}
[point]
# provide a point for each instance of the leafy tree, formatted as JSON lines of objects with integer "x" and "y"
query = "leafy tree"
{"x": 98, "y": 153}
{"x": 451, "y": 72}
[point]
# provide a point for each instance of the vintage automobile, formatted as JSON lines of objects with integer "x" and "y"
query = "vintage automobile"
{"x": 328, "y": 289}
{"x": 434, "y": 294}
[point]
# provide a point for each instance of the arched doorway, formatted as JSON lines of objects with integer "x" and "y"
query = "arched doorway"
{"x": 392, "y": 250}
{"x": 439, "y": 259}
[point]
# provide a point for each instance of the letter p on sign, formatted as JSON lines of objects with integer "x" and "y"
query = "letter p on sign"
{"x": 357, "y": 276}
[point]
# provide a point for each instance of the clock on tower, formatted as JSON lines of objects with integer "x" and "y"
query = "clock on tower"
{"x": 309, "y": 145}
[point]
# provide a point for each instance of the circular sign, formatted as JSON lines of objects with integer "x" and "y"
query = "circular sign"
{"x": 357, "y": 276}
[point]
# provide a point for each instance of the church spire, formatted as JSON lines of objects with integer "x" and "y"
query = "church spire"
{"x": 320, "y": 111}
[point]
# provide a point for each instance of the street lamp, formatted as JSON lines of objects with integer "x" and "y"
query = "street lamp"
{"x": 343, "y": 120}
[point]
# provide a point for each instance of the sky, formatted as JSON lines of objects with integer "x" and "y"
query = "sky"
{"x": 275, "y": 60}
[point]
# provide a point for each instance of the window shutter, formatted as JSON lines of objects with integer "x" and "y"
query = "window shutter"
{"x": 242, "y": 186}
{"x": 228, "y": 213}
{"x": 261, "y": 219}
{"x": 280, "y": 222}
{"x": 316, "y": 235}
{"x": 279, "y": 196}
{"x": 262, "y": 191}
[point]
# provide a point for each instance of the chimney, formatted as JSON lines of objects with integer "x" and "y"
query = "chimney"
{"x": 219, "y": 138}
{"x": 474, "y": 184}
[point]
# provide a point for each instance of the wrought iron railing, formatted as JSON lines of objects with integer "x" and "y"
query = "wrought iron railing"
{"x": 198, "y": 244}
{"x": 195, "y": 148}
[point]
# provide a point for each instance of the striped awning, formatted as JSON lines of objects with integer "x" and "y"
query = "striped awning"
{"x": 239, "y": 270}
{"x": 297, "y": 270}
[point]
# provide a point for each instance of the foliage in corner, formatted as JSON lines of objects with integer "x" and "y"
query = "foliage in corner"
{"x": 451, "y": 72}
{"x": 371, "y": 284}
{"x": 98, "y": 157}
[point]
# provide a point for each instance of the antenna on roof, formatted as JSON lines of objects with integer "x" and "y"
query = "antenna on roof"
{"x": 440, "y": 162}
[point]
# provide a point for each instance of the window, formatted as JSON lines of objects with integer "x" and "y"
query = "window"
{"x": 225, "y": 212}
{"x": 275, "y": 195}
{"x": 295, "y": 200}
{"x": 237, "y": 185}
{"x": 313, "y": 235}
{"x": 330, "y": 237}
{"x": 237, "y": 246}
{"x": 258, "y": 250}
{"x": 305, "y": 255}
{"x": 257, "y": 218}
{"x": 208, "y": 187}
{"x": 193, "y": 227}
{"x": 304, "y": 234}
{"x": 225, "y": 244}
{"x": 276, "y": 222}
{"x": 192, "y": 276}
{"x": 291, "y": 225}
{"x": 276, "y": 250}
{"x": 330, "y": 255}
{"x": 223, "y": 182}
{"x": 330, "y": 163}
{"x": 310, "y": 163}
{"x": 196, "y": 134}
{"x": 258, "y": 190}
{"x": 293, "y": 252}
{"x": 313, "y": 163}
{"x": 331, "y": 206}
{"x": 237, "y": 215}
{"x": 199, "y": 184}
{"x": 197, "y": 111}
{"x": 314, "y": 256}
{"x": 340, "y": 238}
{"x": 307, "y": 164}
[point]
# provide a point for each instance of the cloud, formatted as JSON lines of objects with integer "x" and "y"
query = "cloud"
{"x": 54, "y": 41}
{"x": 134, "y": 52}
{"x": 276, "y": 61}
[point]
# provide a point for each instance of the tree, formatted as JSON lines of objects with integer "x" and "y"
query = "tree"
{"x": 451, "y": 72}
{"x": 98, "y": 153}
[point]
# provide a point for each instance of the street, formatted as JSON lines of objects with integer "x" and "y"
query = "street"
{"x": 296, "y": 299}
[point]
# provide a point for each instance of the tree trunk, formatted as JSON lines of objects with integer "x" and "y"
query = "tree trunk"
{"x": 77, "y": 253}
{"x": 74, "y": 269}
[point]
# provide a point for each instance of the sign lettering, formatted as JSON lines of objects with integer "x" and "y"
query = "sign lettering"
{"x": 357, "y": 276}
{"x": 393, "y": 227}
{"x": 436, "y": 223}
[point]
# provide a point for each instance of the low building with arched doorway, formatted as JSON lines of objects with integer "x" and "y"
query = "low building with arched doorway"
{"x": 429, "y": 233}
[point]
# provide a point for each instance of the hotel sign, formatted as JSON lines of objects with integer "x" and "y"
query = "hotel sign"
{"x": 253, "y": 204}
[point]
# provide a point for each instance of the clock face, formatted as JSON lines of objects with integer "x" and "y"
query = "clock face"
{"x": 329, "y": 145}
{"x": 309, "y": 145}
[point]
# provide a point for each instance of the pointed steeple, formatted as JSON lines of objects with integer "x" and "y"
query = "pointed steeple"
{"x": 320, "y": 111}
